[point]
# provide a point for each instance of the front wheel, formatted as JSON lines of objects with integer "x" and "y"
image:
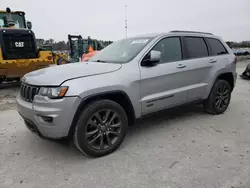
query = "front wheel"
{"x": 61, "y": 61}
{"x": 219, "y": 98}
{"x": 101, "y": 128}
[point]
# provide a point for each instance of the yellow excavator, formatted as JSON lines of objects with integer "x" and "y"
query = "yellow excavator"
{"x": 18, "y": 50}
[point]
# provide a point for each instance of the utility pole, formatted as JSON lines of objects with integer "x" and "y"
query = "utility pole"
{"x": 126, "y": 22}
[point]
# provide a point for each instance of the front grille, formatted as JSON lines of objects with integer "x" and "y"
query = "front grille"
{"x": 28, "y": 92}
{"x": 19, "y": 46}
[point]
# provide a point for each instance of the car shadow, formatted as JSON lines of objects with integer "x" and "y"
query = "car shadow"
{"x": 56, "y": 149}
{"x": 165, "y": 119}
{"x": 65, "y": 148}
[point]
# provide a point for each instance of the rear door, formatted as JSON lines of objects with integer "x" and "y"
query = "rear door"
{"x": 222, "y": 59}
{"x": 218, "y": 53}
{"x": 199, "y": 67}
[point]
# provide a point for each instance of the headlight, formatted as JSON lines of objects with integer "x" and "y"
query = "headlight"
{"x": 53, "y": 92}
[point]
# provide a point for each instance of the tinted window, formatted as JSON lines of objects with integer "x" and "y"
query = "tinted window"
{"x": 216, "y": 47}
{"x": 170, "y": 49}
{"x": 196, "y": 47}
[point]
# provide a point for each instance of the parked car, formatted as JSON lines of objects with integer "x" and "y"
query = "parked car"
{"x": 94, "y": 102}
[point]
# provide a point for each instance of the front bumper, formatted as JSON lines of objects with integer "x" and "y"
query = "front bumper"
{"x": 48, "y": 118}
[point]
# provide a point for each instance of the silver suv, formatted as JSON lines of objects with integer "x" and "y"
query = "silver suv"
{"x": 94, "y": 102}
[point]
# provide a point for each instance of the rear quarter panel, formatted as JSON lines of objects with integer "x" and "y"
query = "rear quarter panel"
{"x": 225, "y": 64}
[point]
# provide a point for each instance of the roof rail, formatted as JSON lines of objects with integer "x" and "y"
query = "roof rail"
{"x": 177, "y": 31}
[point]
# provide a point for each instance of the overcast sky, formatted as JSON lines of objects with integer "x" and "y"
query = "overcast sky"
{"x": 104, "y": 19}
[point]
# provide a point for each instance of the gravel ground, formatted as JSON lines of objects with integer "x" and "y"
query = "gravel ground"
{"x": 8, "y": 93}
{"x": 185, "y": 148}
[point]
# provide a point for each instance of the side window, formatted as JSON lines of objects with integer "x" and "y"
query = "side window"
{"x": 196, "y": 47}
{"x": 216, "y": 47}
{"x": 170, "y": 49}
{"x": 1, "y": 23}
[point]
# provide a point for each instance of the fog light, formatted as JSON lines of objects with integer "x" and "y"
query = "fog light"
{"x": 47, "y": 119}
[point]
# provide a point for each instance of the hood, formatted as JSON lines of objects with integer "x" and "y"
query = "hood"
{"x": 55, "y": 75}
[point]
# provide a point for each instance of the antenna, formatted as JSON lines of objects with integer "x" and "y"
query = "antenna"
{"x": 126, "y": 22}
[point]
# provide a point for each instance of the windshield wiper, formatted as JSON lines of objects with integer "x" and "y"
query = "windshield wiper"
{"x": 102, "y": 61}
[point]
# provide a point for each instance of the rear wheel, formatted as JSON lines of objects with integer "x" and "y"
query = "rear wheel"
{"x": 18, "y": 79}
{"x": 219, "y": 97}
{"x": 101, "y": 128}
{"x": 2, "y": 78}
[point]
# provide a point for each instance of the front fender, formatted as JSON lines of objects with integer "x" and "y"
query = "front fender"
{"x": 94, "y": 85}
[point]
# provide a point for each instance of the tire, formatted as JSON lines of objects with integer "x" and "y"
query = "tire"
{"x": 88, "y": 123}
{"x": 218, "y": 97}
{"x": 61, "y": 61}
{"x": 18, "y": 79}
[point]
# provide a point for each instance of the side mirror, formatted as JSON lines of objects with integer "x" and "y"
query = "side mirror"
{"x": 29, "y": 25}
{"x": 152, "y": 58}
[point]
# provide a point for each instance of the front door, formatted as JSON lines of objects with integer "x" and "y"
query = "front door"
{"x": 164, "y": 85}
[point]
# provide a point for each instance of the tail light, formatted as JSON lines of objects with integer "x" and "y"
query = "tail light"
{"x": 49, "y": 58}
{"x": 235, "y": 59}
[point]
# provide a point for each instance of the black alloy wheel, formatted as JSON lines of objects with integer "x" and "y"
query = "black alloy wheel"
{"x": 219, "y": 97}
{"x": 101, "y": 128}
{"x": 222, "y": 97}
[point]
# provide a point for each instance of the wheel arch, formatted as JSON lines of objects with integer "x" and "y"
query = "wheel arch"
{"x": 228, "y": 76}
{"x": 117, "y": 96}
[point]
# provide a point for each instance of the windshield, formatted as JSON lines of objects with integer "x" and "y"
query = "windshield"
{"x": 121, "y": 51}
{"x": 18, "y": 19}
{"x": 45, "y": 48}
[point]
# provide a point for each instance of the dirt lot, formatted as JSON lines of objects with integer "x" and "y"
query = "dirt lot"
{"x": 8, "y": 93}
{"x": 182, "y": 149}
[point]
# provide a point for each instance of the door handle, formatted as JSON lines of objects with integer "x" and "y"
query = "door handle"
{"x": 212, "y": 61}
{"x": 181, "y": 66}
